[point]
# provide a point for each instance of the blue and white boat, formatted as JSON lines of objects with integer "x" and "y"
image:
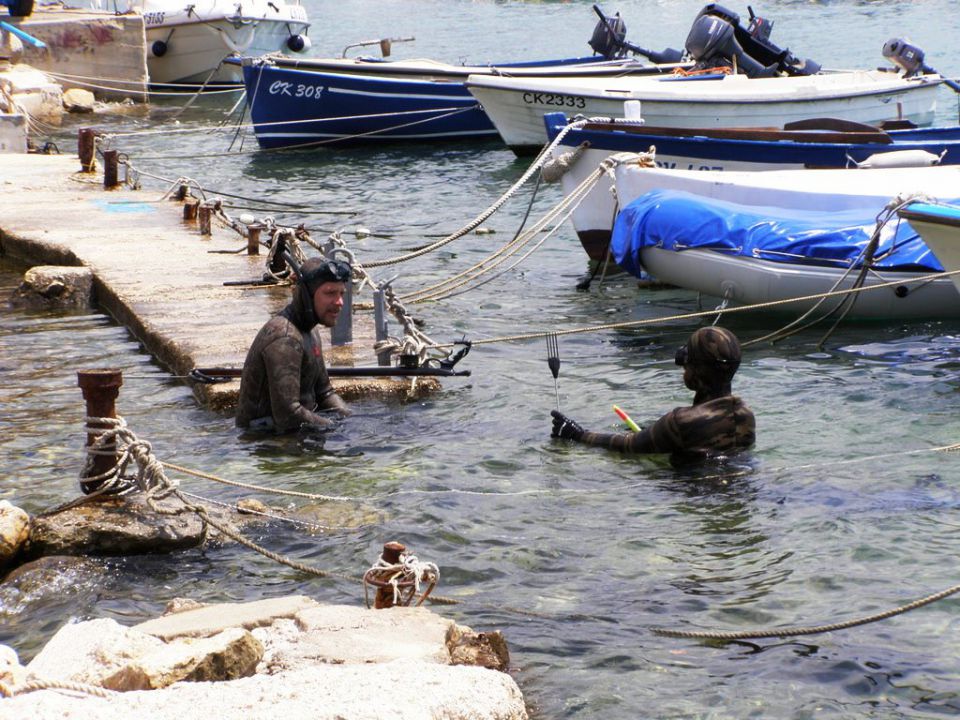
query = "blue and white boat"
{"x": 817, "y": 143}
{"x": 301, "y": 102}
{"x": 749, "y": 238}
{"x": 939, "y": 226}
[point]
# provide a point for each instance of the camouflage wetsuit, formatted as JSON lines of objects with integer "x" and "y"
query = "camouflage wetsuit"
{"x": 284, "y": 380}
{"x": 721, "y": 425}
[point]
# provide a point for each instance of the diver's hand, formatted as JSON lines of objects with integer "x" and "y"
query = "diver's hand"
{"x": 565, "y": 428}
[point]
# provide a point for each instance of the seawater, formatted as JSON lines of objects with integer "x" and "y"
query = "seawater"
{"x": 840, "y": 511}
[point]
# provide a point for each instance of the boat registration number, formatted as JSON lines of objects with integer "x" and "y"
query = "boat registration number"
{"x": 297, "y": 12}
{"x": 539, "y": 98}
{"x": 153, "y": 18}
{"x": 282, "y": 87}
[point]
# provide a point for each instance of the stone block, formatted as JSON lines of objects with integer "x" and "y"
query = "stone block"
{"x": 55, "y": 286}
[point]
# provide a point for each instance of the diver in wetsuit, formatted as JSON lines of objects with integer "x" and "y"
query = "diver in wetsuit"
{"x": 285, "y": 383}
{"x": 717, "y": 423}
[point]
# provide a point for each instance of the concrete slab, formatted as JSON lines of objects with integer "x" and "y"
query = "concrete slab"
{"x": 155, "y": 274}
{"x": 97, "y": 50}
{"x": 212, "y": 619}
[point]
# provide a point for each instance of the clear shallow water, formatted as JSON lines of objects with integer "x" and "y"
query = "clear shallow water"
{"x": 829, "y": 518}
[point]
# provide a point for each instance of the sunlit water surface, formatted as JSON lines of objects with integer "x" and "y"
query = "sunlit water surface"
{"x": 841, "y": 510}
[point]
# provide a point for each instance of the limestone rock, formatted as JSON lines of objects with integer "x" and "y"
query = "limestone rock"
{"x": 91, "y": 651}
{"x": 229, "y": 655}
{"x": 12, "y": 673}
{"x": 55, "y": 286}
{"x": 487, "y": 650}
{"x": 113, "y": 527}
{"x": 78, "y": 100}
{"x": 14, "y": 531}
{"x": 178, "y": 605}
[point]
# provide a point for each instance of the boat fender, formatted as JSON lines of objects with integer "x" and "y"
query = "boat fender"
{"x": 901, "y": 158}
{"x": 298, "y": 43}
{"x": 158, "y": 48}
{"x": 556, "y": 167}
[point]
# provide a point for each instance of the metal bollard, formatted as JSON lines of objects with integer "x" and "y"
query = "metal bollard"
{"x": 100, "y": 390}
{"x": 380, "y": 325}
{"x": 190, "y": 206}
{"x": 391, "y": 554}
{"x": 87, "y": 149}
{"x": 205, "y": 212}
{"x": 110, "y": 169}
{"x": 342, "y": 332}
{"x": 253, "y": 238}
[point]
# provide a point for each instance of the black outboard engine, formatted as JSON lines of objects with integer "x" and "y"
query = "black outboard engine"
{"x": 755, "y": 54}
{"x": 608, "y": 36}
{"x": 712, "y": 43}
{"x": 609, "y": 40}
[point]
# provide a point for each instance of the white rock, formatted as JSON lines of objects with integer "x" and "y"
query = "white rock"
{"x": 14, "y": 531}
{"x": 78, "y": 100}
{"x": 12, "y": 673}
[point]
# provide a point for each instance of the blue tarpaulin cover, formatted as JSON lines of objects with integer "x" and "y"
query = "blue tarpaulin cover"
{"x": 678, "y": 220}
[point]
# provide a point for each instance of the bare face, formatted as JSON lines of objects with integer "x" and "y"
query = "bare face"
{"x": 328, "y": 301}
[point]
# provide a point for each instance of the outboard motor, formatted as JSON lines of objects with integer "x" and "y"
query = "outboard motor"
{"x": 910, "y": 58}
{"x": 712, "y": 43}
{"x": 752, "y": 42}
{"x": 609, "y": 40}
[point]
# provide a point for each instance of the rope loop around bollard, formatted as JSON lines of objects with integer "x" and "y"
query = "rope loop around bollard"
{"x": 404, "y": 577}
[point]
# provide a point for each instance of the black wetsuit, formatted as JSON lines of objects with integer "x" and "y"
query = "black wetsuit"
{"x": 285, "y": 382}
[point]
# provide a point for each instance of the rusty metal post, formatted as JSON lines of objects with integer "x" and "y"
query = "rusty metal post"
{"x": 253, "y": 238}
{"x": 391, "y": 554}
{"x": 190, "y": 205}
{"x": 204, "y": 219}
{"x": 100, "y": 390}
{"x": 183, "y": 192}
{"x": 87, "y": 149}
{"x": 110, "y": 169}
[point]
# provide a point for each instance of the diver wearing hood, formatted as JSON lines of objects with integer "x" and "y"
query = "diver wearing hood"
{"x": 285, "y": 383}
{"x": 718, "y": 422}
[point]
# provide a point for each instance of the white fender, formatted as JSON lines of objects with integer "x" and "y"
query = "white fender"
{"x": 901, "y": 158}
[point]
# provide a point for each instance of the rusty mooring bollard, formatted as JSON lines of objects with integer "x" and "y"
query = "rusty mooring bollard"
{"x": 110, "y": 169}
{"x": 391, "y": 554}
{"x": 87, "y": 149}
{"x": 205, "y": 212}
{"x": 190, "y": 205}
{"x": 253, "y": 238}
{"x": 100, "y": 390}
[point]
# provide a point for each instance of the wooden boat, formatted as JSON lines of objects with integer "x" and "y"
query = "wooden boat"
{"x": 749, "y": 238}
{"x": 516, "y": 106}
{"x": 939, "y": 226}
{"x": 300, "y": 102}
{"x": 816, "y": 143}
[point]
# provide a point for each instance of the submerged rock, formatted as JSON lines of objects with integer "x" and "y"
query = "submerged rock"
{"x": 48, "y": 286}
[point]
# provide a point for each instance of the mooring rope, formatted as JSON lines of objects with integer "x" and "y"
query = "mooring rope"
{"x": 709, "y": 313}
{"x": 33, "y": 685}
{"x": 479, "y": 219}
{"x": 812, "y": 630}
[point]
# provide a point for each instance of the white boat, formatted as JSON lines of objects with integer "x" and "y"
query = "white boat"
{"x": 517, "y": 105}
{"x": 819, "y": 143}
{"x": 187, "y": 42}
{"x": 939, "y": 226}
{"x": 761, "y": 237}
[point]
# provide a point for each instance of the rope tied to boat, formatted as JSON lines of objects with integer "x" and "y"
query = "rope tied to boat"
{"x": 556, "y": 167}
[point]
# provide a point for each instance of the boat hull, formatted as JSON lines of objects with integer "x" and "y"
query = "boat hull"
{"x": 748, "y": 281}
{"x": 195, "y": 51}
{"x": 939, "y": 226}
{"x": 517, "y": 105}
{"x": 292, "y": 108}
{"x": 593, "y": 218}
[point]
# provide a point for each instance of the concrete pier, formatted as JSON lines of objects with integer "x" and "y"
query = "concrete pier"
{"x": 155, "y": 273}
{"x": 98, "y": 51}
